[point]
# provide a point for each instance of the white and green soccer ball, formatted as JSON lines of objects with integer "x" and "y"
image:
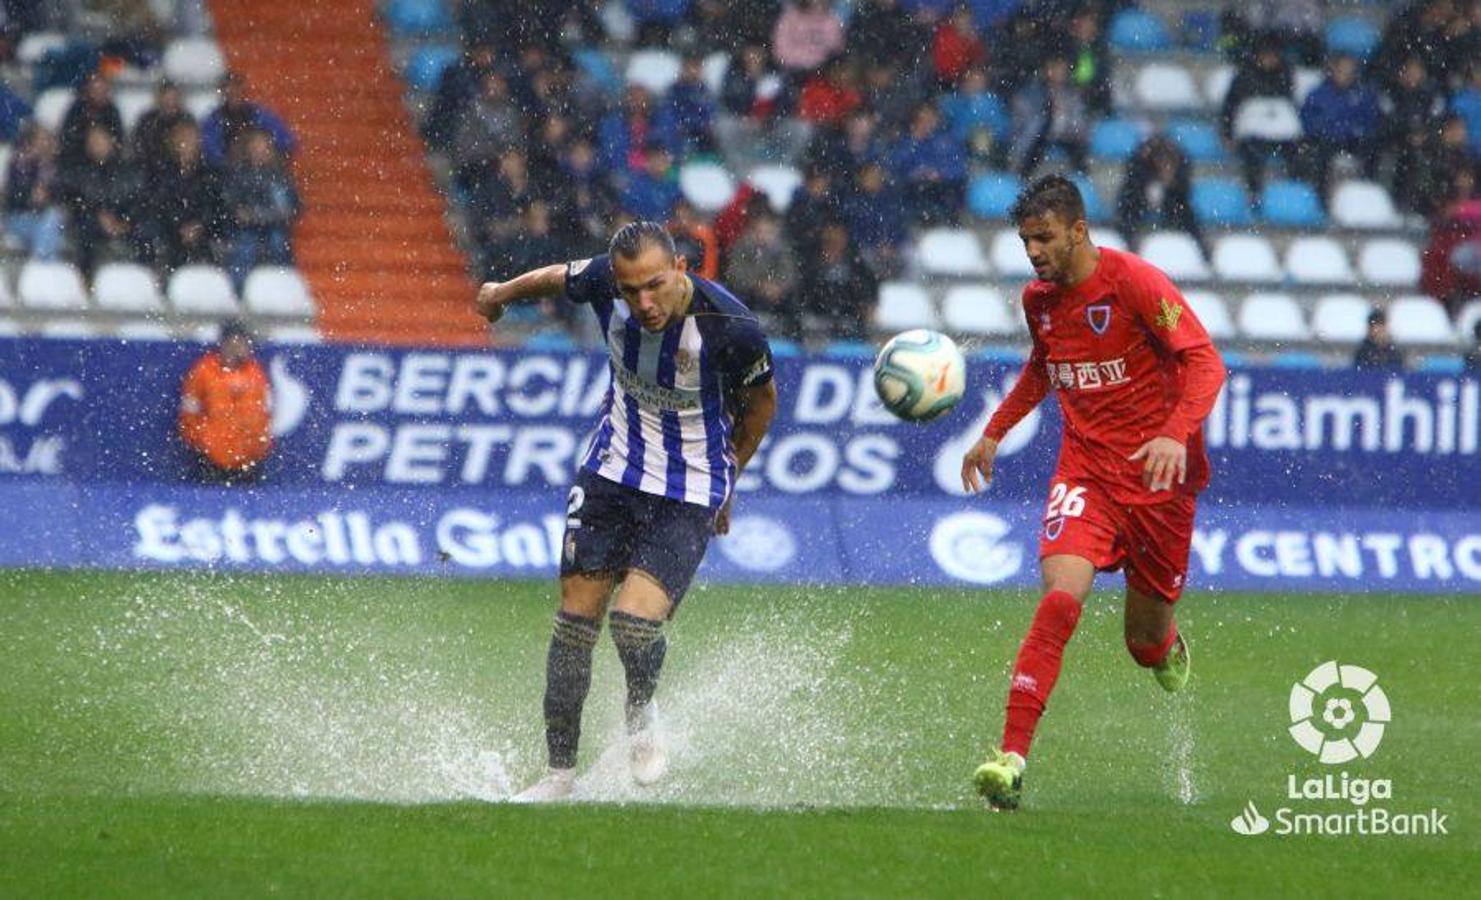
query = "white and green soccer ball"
{"x": 919, "y": 375}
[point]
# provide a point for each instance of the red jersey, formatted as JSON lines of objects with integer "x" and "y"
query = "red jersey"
{"x": 1118, "y": 348}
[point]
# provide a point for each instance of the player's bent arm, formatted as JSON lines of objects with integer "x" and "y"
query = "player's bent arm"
{"x": 758, "y": 407}
{"x": 1203, "y": 376}
{"x": 494, "y": 296}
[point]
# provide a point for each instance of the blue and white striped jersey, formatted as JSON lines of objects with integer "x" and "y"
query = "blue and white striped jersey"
{"x": 667, "y": 419}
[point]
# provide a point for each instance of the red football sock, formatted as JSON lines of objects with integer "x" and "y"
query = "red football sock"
{"x": 1149, "y": 655}
{"x": 1037, "y": 668}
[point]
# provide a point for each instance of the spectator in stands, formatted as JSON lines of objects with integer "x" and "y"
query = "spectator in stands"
{"x": 583, "y": 201}
{"x": 1025, "y": 42}
{"x": 1466, "y": 103}
{"x": 1340, "y": 116}
{"x": 695, "y": 240}
{"x": 226, "y": 410}
{"x": 1410, "y": 108}
{"x": 814, "y": 204}
{"x": 529, "y": 244}
{"x": 623, "y": 133}
{"x": 1377, "y": 351}
{"x": 545, "y": 152}
{"x": 656, "y": 19}
{"x": 651, "y": 193}
{"x": 263, "y": 204}
{"x": 93, "y": 108}
{"x": 1090, "y": 59}
{"x": 1472, "y": 361}
{"x": 154, "y": 135}
{"x": 751, "y": 88}
{"x": 1293, "y": 24}
{"x": 490, "y": 125}
{"x": 13, "y": 112}
{"x": 1451, "y": 265}
{"x": 33, "y": 212}
{"x": 1050, "y": 113}
{"x": 1252, "y": 117}
{"x": 884, "y": 30}
{"x": 101, "y": 195}
{"x": 876, "y": 217}
{"x": 237, "y": 116}
{"x": 501, "y": 199}
{"x": 828, "y": 96}
{"x": 1444, "y": 165}
{"x": 893, "y": 93}
{"x": 754, "y": 125}
{"x": 843, "y": 151}
{"x": 762, "y": 269}
{"x": 1418, "y": 30}
{"x": 456, "y": 89}
{"x": 931, "y": 168}
{"x": 956, "y": 47}
{"x": 1157, "y": 192}
{"x": 837, "y": 289}
{"x": 692, "y": 108}
{"x": 807, "y": 34}
{"x": 978, "y": 119}
{"x": 182, "y": 203}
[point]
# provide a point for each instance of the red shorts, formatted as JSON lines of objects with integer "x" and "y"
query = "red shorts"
{"x": 1151, "y": 542}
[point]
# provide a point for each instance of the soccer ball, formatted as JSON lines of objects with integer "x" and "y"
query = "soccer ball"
{"x": 919, "y": 375}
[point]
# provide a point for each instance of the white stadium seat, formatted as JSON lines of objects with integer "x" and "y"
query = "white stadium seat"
{"x": 277, "y": 291}
{"x": 1165, "y": 87}
{"x": 1248, "y": 258}
{"x": 294, "y": 334}
{"x": 7, "y": 299}
{"x": 903, "y": 306}
{"x": 1108, "y": 237}
{"x": 1465, "y": 323}
{"x": 1389, "y": 262}
{"x": 1267, "y": 119}
{"x": 1341, "y": 318}
{"x": 1009, "y": 259}
{"x": 10, "y": 328}
{"x": 52, "y": 286}
{"x": 37, "y": 44}
{"x": 1364, "y": 205}
{"x": 1417, "y": 319}
{"x": 1318, "y": 260}
{"x": 715, "y": 67}
{"x": 51, "y": 107}
{"x": 1213, "y": 312}
{"x": 709, "y": 186}
{"x": 194, "y": 62}
{"x": 1273, "y": 318}
{"x": 1177, "y": 254}
{"x": 144, "y": 331}
{"x": 778, "y": 183}
{"x": 977, "y": 310}
{"x": 1216, "y": 85}
{"x": 201, "y": 104}
{"x": 1305, "y": 81}
{"x": 656, "y": 70}
{"x": 951, "y": 252}
{"x": 199, "y": 290}
{"x": 126, "y": 288}
{"x": 70, "y": 328}
{"x": 132, "y": 104}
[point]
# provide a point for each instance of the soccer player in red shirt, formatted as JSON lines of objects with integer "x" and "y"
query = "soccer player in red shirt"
{"x": 1136, "y": 374}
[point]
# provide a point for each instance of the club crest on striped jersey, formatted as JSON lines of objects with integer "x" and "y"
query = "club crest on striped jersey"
{"x": 1099, "y": 317}
{"x": 686, "y": 363}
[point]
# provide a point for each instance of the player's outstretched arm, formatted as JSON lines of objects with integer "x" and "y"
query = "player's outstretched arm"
{"x": 1165, "y": 457}
{"x": 758, "y": 408}
{"x": 494, "y": 296}
{"x": 1030, "y": 389}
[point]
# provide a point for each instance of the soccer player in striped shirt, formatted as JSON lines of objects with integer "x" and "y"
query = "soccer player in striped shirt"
{"x": 691, "y": 398}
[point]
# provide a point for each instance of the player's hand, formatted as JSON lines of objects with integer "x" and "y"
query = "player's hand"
{"x": 1166, "y": 459}
{"x": 488, "y": 303}
{"x": 977, "y": 465}
{"x": 722, "y": 518}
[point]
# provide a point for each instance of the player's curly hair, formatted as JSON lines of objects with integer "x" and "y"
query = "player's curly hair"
{"x": 632, "y": 238}
{"x": 1052, "y": 193}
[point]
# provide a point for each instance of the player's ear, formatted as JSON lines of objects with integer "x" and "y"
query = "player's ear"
{"x": 681, "y": 263}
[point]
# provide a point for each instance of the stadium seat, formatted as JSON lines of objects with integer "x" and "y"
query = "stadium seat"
{"x": 51, "y": 107}
{"x": 656, "y": 70}
{"x": 126, "y": 288}
{"x": 1351, "y": 36}
{"x": 977, "y": 310}
{"x": 298, "y": 335}
{"x": 194, "y": 62}
{"x": 417, "y": 18}
{"x": 1267, "y": 119}
{"x": 425, "y": 66}
{"x": 991, "y": 194}
{"x": 1272, "y": 318}
{"x": 1095, "y": 208}
{"x": 1198, "y": 138}
{"x": 1341, "y": 318}
{"x": 1175, "y": 253}
{"x": 1291, "y": 204}
{"x": 951, "y": 253}
{"x": 1221, "y": 202}
{"x": 1318, "y": 260}
{"x": 1114, "y": 140}
{"x": 1389, "y": 262}
{"x": 709, "y": 186}
{"x": 1247, "y": 258}
{"x": 1108, "y": 237}
{"x": 1364, "y": 205}
{"x": 53, "y": 286}
{"x": 1009, "y": 260}
{"x": 1465, "y": 323}
{"x": 277, "y": 291}
{"x": 716, "y": 65}
{"x": 1216, "y": 85}
{"x": 70, "y": 329}
{"x": 778, "y": 183}
{"x": 199, "y": 290}
{"x": 140, "y": 330}
{"x": 1213, "y": 312}
{"x": 1415, "y": 319}
{"x": 132, "y": 103}
{"x": 597, "y": 71}
{"x": 1200, "y": 30}
{"x": 902, "y": 306}
{"x": 1135, "y": 30}
{"x": 1304, "y": 81}
{"x": 10, "y": 328}
{"x": 35, "y": 46}
{"x": 1166, "y": 87}
{"x": 7, "y": 299}
{"x": 202, "y": 103}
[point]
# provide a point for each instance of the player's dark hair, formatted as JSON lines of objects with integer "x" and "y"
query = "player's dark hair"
{"x": 1052, "y": 193}
{"x": 632, "y": 238}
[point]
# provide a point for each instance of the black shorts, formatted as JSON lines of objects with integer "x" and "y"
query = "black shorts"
{"x": 614, "y": 528}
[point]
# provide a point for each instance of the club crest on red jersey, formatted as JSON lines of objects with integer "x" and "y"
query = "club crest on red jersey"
{"x": 1053, "y": 527}
{"x": 1099, "y": 317}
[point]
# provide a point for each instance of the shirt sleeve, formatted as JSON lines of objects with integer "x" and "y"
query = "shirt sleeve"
{"x": 1160, "y": 307}
{"x": 744, "y": 358}
{"x": 1027, "y": 393}
{"x": 590, "y": 281}
{"x": 1203, "y": 376}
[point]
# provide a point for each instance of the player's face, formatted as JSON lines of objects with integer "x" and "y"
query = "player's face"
{"x": 653, "y": 284}
{"x": 1051, "y": 243}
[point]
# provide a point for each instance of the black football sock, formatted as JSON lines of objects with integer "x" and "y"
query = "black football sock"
{"x": 641, "y": 647}
{"x": 567, "y": 680}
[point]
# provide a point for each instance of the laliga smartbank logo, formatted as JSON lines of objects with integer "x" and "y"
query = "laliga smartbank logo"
{"x": 1338, "y": 714}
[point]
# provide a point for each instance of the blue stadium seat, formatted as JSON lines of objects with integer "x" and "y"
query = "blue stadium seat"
{"x": 1138, "y": 31}
{"x": 1440, "y": 365}
{"x": 782, "y": 348}
{"x": 1296, "y": 359}
{"x": 991, "y": 195}
{"x": 1221, "y": 203}
{"x": 597, "y": 70}
{"x": 1198, "y": 138}
{"x": 846, "y": 349}
{"x": 550, "y": 341}
{"x": 1291, "y": 204}
{"x": 1095, "y": 210}
{"x": 1200, "y": 30}
{"x": 1114, "y": 140}
{"x": 1352, "y": 36}
{"x": 417, "y": 18}
{"x": 425, "y": 67}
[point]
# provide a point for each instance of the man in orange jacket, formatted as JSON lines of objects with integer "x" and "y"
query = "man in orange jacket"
{"x": 226, "y": 409}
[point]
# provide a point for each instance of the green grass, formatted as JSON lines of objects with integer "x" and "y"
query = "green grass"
{"x": 186, "y": 735}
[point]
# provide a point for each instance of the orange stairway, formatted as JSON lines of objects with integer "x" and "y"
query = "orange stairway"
{"x": 373, "y": 241}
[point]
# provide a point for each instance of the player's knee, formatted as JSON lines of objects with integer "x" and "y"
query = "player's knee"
{"x": 630, "y": 632}
{"x": 585, "y": 595}
{"x": 1059, "y": 610}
